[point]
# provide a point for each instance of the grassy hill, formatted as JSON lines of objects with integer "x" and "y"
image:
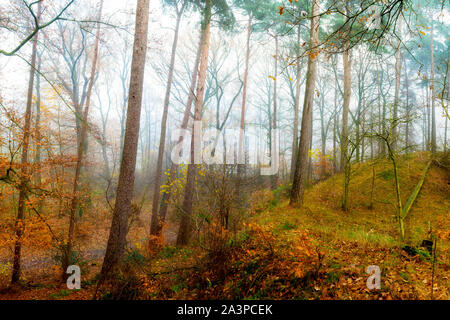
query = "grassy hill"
{"x": 368, "y": 234}
{"x": 320, "y": 251}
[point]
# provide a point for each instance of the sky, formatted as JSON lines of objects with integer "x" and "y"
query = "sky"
{"x": 14, "y": 71}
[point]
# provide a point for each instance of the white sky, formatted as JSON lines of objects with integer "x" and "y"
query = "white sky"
{"x": 14, "y": 72}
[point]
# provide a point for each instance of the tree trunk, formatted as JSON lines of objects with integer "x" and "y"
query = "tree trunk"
{"x": 37, "y": 128}
{"x": 407, "y": 109}
{"x": 310, "y": 162}
{"x": 398, "y": 69}
{"x": 274, "y": 156}
{"x": 241, "y": 154}
{"x": 380, "y": 119}
{"x": 119, "y": 226}
{"x": 428, "y": 107}
{"x": 433, "y": 110}
{"x": 174, "y": 167}
{"x": 162, "y": 139}
{"x": 445, "y": 134}
{"x": 335, "y": 117}
{"x": 323, "y": 137}
{"x": 301, "y": 166}
{"x": 346, "y": 104}
{"x": 185, "y": 224}
{"x": 19, "y": 224}
{"x": 296, "y": 109}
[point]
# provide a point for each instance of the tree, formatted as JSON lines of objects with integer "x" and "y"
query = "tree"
{"x": 353, "y": 143}
{"x": 84, "y": 127}
{"x": 398, "y": 69}
{"x": 241, "y": 159}
{"x": 433, "y": 108}
{"x": 402, "y": 211}
{"x": 37, "y": 26}
{"x": 296, "y": 104}
{"x": 226, "y": 20}
{"x": 184, "y": 230}
{"x": 15, "y": 276}
{"x": 346, "y": 57}
{"x": 301, "y": 167}
{"x": 119, "y": 225}
{"x": 159, "y": 166}
{"x": 173, "y": 169}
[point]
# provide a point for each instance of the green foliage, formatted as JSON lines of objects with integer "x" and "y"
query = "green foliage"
{"x": 225, "y": 15}
{"x": 178, "y": 287}
{"x": 76, "y": 257}
{"x": 167, "y": 252}
{"x": 134, "y": 257}
{"x": 59, "y": 295}
{"x": 387, "y": 174}
{"x": 333, "y": 277}
{"x": 288, "y": 226}
{"x": 413, "y": 251}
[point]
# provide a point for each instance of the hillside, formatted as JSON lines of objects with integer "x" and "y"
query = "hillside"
{"x": 340, "y": 245}
{"x": 370, "y": 236}
{"x": 315, "y": 252}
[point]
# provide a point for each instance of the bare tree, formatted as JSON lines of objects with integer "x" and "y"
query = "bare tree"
{"x": 184, "y": 231}
{"x": 84, "y": 127}
{"x": 19, "y": 227}
{"x": 36, "y": 24}
{"x": 162, "y": 139}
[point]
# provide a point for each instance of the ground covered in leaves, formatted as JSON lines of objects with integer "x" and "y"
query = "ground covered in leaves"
{"x": 314, "y": 252}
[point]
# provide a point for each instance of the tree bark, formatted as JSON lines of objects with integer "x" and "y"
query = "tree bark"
{"x": 119, "y": 226}
{"x": 301, "y": 166}
{"x": 162, "y": 140}
{"x": 174, "y": 167}
{"x": 398, "y": 70}
{"x": 274, "y": 126}
{"x": 407, "y": 109}
{"x": 380, "y": 119}
{"x": 37, "y": 128}
{"x": 241, "y": 152}
{"x": 185, "y": 224}
{"x": 296, "y": 109}
{"x": 346, "y": 105}
{"x": 335, "y": 117}
{"x": 433, "y": 109}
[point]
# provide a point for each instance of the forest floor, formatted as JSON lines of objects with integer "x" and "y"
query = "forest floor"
{"x": 314, "y": 252}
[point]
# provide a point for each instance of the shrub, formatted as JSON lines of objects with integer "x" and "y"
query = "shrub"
{"x": 260, "y": 200}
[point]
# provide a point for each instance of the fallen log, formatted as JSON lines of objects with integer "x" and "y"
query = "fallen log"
{"x": 415, "y": 193}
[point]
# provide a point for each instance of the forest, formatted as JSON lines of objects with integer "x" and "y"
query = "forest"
{"x": 224, "y": 150}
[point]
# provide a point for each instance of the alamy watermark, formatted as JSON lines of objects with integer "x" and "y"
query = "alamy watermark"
{"x": 230, "y": 146}
{"x": 74, "y": 280}
{"x": 374, "y": 280}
